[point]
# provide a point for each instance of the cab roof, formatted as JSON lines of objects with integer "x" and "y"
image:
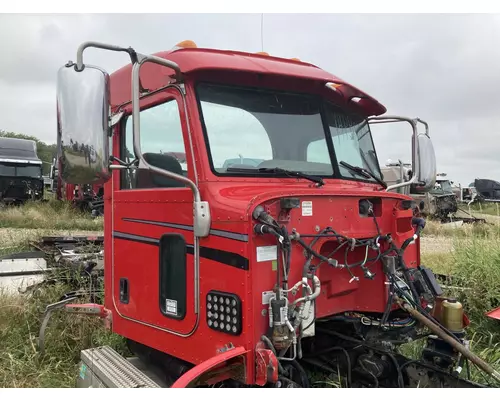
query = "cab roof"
{"x": 18, "y": 150}
{"x": 192, "y": 60}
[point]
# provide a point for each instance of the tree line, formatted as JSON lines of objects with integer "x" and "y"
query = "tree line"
{"x": 46, "y": 152}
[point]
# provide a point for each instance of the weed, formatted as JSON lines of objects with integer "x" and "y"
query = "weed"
{"x": 22, "y": 365}
{"x": 52, "y": 214}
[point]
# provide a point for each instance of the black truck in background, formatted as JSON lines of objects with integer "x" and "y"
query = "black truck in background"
{"x": 488, "y": 190}
{"x": 20, "y": 171}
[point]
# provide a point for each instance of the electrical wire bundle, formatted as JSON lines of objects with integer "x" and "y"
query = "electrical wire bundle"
{"x": 401, "y": 286}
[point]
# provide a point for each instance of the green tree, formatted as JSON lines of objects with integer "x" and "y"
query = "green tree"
{"x": 46, "y": 152}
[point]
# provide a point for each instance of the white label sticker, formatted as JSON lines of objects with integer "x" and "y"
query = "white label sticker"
{"x": 266, "y": 296}
{"x": 267, "y": 253}
{"x": 171, "y": 306}
{"x": 284, "y": 314}
{"x": 307, "y": 208}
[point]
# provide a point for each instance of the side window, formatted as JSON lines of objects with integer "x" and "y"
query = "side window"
{"x": 162, "y": 145}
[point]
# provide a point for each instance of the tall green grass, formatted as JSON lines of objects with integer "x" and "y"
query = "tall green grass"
{"x": 21, "y": 363}
{"x": 490, "y": 230}
{"x": 52, "y": 214}
{"x": 474, "y": 264}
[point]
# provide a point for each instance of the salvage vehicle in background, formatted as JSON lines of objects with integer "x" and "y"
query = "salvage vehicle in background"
{"x": 85, "y": 197}
{"x": 440, "y": 203}
{"x": 20, "y": 171}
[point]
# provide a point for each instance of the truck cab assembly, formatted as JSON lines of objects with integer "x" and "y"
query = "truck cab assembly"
{"x": 249, "y": 235}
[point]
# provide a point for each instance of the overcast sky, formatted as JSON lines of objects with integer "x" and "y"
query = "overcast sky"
{"x": 442, "y": 68}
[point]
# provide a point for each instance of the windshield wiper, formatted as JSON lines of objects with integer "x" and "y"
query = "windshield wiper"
{"x": 275, "y": 170}
{"x": 363, "y": 172}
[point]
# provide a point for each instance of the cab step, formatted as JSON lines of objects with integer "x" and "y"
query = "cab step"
{"x": 103, "y": 367}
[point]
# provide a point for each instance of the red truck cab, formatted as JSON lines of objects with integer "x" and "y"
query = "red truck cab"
{"x": 246, "y": 217}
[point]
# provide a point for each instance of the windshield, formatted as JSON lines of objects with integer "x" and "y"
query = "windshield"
{"x": 442, "y": 187}
{"x": 253, "y": 129}
{"x": 30, "y": 171}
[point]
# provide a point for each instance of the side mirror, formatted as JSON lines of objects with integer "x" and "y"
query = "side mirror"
{"x": 423, "y": 166}
{"x": 83, "y": 124}
{"x": 83, "y": 115}
{"x": 426, "y": 164}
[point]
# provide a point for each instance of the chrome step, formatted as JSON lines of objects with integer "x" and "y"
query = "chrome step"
{"x": 103, "y": 367}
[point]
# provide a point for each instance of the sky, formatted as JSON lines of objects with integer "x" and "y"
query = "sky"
{"x": 442, "y": 68}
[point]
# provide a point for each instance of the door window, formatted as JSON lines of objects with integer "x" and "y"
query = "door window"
{"x": 162, "y": 145}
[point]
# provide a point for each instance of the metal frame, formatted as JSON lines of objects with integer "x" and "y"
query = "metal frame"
{"x": 416, "y": 149}
{"x": 47, "y": 314}
{"x": 134, "y": 57}
{"x": 136, "y": 123}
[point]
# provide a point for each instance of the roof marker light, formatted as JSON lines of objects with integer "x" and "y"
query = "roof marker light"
{"x": 333, "y": 86}
{"x": 186, "y": 44}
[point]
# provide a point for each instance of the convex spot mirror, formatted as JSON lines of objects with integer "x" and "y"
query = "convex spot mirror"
{"x": 83, "y": 111}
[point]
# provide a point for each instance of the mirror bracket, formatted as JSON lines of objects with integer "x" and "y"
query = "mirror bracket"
{"x": 121, "y": 167}
{"x": 415, "y": 150}
{"x": 201, "y": 218}
{"x": 134, "y": 56}
{"x": 122, "y": 164}
{"x": 413, "y": 123}
{"x": 201, "y": 209}
{"x": 114, "y": 119}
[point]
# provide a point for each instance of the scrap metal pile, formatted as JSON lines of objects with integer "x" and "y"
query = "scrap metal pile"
{"x": 74, "y": 260}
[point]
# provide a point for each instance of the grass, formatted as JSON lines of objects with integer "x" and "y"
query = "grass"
{"x": 475, "y": 266}
{"x": 22, "y": 365}
{"x": 20, "y": 225}
{"x": 52, "y": 214}
{"x": 486, "y": 208}
{"x": 440, "y": 263}
{"x": 489, "y": 230}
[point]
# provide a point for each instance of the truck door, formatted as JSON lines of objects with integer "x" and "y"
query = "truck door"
{"x": 152, "y": 219}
